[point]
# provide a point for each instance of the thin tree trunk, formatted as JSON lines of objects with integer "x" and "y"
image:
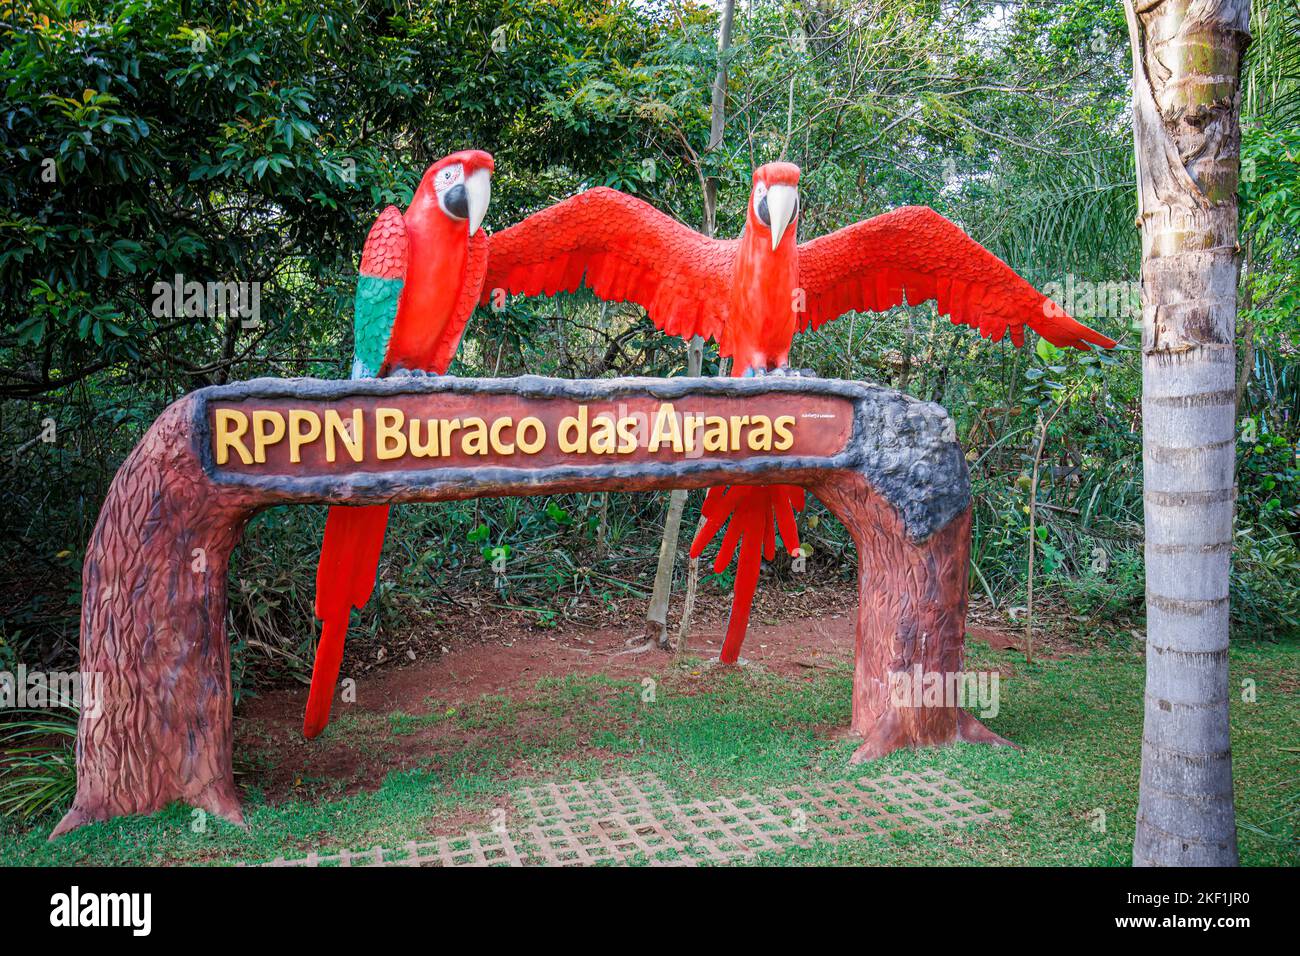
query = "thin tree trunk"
{"x": 1033, "y": 542}
{"x": 688, "y": 605}
{"x": 1186, "y": 105}
{"x": 1247, "y": 337}
{"x": 602, "y": 528}
{"x": 602, "y": 524}
{"x": 906, "y": 374}
{"x": 657, "y": 612}
{"x": 1043, "y": 425}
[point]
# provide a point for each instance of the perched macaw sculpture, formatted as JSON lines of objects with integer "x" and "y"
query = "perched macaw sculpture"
{"x": 421, "y": 274}
{"x": 754, "y": 293}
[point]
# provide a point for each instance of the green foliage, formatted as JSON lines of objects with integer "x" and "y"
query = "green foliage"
{"x": 1268, "y": 478}
{"x": 1263, "y": 587}
{"x": 37, "y": 772}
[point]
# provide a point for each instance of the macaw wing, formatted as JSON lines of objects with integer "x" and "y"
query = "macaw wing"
{"x": 627, "y": 251}
{"x": 379, "y": 288}
{"x": 916, "y": 253}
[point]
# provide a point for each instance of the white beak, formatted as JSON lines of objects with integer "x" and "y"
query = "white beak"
{"x": 781, "y": 204}
{"x": 479, "y": 188}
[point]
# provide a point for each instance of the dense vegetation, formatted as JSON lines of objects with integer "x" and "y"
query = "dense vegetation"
{"x": 143, "y": 140}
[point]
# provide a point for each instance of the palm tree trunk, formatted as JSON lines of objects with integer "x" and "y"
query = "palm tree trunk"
{"x": 1186, "y": 104}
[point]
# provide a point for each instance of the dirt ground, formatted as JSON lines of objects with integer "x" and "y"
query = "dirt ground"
{"x": 482, "y": 651}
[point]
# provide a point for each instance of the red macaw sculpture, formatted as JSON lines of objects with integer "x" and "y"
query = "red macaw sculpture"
{"x": 753, "y": 294}
{"x": 421, "y": 273}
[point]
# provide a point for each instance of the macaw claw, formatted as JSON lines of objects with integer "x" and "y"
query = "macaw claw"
{"x": 783, "y": 371}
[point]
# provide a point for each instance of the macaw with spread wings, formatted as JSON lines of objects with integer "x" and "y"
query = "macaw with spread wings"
{"x": 754, "y": 293}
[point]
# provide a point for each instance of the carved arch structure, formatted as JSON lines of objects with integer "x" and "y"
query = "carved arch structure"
{"x": 154, "y": 584}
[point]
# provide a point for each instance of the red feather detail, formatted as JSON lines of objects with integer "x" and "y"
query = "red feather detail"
{"x": 920, "y": 288}
{"x": 627, "y": 251}
{"x": 917, "y": 249}
{"x": 714, "y": 513}
{"x": 730, "y": 541}
{"x": 757, "y": 513}
{"x": 785, "y": 508}
{"x": 555, "y": 282}
{"x": 476, "y": 265}
{"x": 742, "y": 601}
{"x": 385, "y": 252}
{"x": 345, "y": 578}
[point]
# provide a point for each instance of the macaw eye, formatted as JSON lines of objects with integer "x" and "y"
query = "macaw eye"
{"x": 448, "y": 178}
{"x": 760, "y": 205}
{"x": 452, "y": 196}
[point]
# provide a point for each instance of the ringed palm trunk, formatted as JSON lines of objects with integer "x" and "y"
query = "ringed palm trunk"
{"x": 1186, "y": 103}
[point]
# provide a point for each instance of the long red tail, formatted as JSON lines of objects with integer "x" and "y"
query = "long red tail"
{"x": 757, "y": 513}
{"x": 345, "y": 578}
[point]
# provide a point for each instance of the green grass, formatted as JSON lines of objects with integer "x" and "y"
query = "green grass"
{"x": 707, "y": 731}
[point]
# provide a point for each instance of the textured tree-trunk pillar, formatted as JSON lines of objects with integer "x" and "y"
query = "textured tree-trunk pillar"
{"x": 911, "y": 620}
{"x": 1186, "y": 75}
{"x": 153, "y": 627}
{"x": 154, "y": 586}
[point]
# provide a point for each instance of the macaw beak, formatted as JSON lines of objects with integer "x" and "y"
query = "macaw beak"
{"x": 782, "y": 201}
{"x": 478, "y": 188}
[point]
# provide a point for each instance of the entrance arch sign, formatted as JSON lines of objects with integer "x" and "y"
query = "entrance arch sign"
{"x": 154, "y": 581}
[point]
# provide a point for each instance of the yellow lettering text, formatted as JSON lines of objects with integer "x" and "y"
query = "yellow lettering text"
{"x": 351, "y": 433}
{"x": 760, "y": 433}
{"x": 389, "y": 440}
{"x": 716, "y": 433}
{"x": 666, "y": 429}
{"x": 268, "y": 428}
{"x": 475, "y": 440}
{"x": 498, "y": 445}
{"x": 449, "y": 428}
{"x": 627, "y": 427}
{"x": 531, "y": 446}
{"x": 602, "y": 434}
{"x": 574, "y": 423}
{"x": 298, "y": 436}
{"x": 231, "y": 426}
{"x": 784, "y": 434}
{"x": 417, "y": 446}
